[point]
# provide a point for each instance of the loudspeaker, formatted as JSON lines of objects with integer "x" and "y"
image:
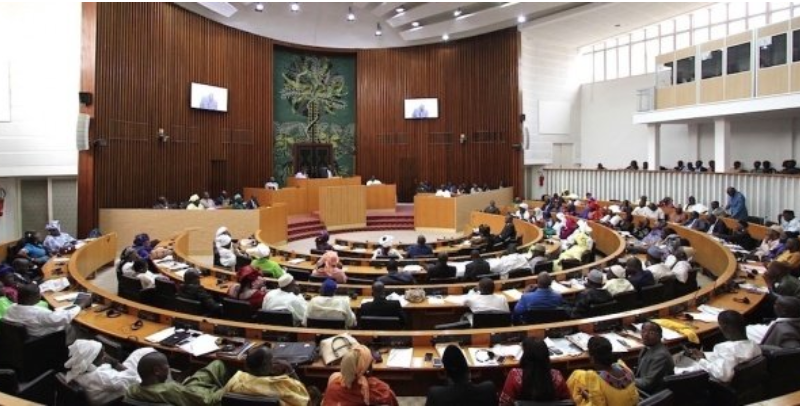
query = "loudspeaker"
{"x": 82, "y": 132}
{"x": 522, "y": 118}
{"x": 85, "y": 98}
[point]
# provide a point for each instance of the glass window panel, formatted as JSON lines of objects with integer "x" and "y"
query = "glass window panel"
{"x": 637, "y": 35}
{"x": 610, "y": 44}
{"x": 651, "y": 50}
{"x": 779, "y": 16}
{"x": 624, "y": 66}
{"x": 772, "y": 51}
{"x": 651, "y": 32}
{"x": 739, "y": 58}
{"x": 700, "y": 18}
{"x": 701, "y": 35}
{"x": 756, "y": 22}
{"x": 587, "y": 68}
{"x": 719, "y": 13}
{"x": 711, "y": 64}
{"x": 585, "y": 50}
{"x": 667, "y": 27}
{"x": 796, "y": 11}
{"x": 667, "y": 44}
{"x": 623, "y": 40}
{"x": 637, "y": 59}
{"x": 737, "y": 10}
{"x": 664, "y": 75}
{"x": 611, "y": 64}
{"x": 599, "y": 67}
{"x": 683, "y": 40}
{"x": 719, "y": 31}
{"x": 683, "y": 22}
{"x": 756, "y": 7}
{"x": 779, "y": 5}
{"x": 599, "y": 47}
{"x": 685, "y": 72}
{"x": 796, "y": 45}
{"x": 737, "y": 26}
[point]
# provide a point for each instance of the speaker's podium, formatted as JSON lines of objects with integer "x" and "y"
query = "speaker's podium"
{"x": 343, "y": 207}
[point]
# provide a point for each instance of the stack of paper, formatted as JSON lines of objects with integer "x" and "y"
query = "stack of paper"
{"x": 60, "y": 259}
{"x": 620, "y": 343}
{"x": 201, "y": 345}
{"x": 763, "y": 290}
{"x": 559, "y": 288}
{"x": 159, "y": 336}
{"x": 54, "y": 285}
{"x": 748, "y": 267}
{"x": 513, "y": 294}
{"x": 560, "y": 347}
{"x": 435, "y": 300}
{"x": 580, "y": 340}
{"x": 412, "y": 268}
{"x": 400, "y": 358}
{"x": 396, "y": 297}
{"x": 456, "y": 299}
{"x": 66, "y": 297}
{"x": 508, "y": 351}
{"x": 576, "y": 284}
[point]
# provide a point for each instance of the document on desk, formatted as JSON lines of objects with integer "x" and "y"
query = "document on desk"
{"x": 400, "y": 358}
{"x": 201, "y": 345}
{"x": 296, "y": 261}
{"x": 54, "y": 285}
{"x": 456, "y": 299}
{"x": 761, "y": 290}
{"x": 435, "y": 300}
{"x": 513, "y": 294}
{"x": 561, "y": 347}
{"x": 514, "y": 351}
{"x": 666, "y": 333}
{"x": 159, "y": 336}
{"x": 60, "y": 259}
{"x": 394, "y": 296}
{"x": 559, "y": 288}
{"x": 620, "y": 343}
{"x": 580, "y": 339}
{"x": 66, "y": 297}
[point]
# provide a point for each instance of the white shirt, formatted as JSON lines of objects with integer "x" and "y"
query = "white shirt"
{"x": 697, "y": 207}
{"x": 330, "y": 307}
{"x": 39, "y": 321}
{"x": 756, "y": 332}
{"x": 300, "y": 175}
{"x": 392, "y": 253}
{"x": 617, "y": 286}
{"x": 226, "y": 257}
{"x": 272, "y": 186}
{"x": 208, "y": 203}
{"x": 373, "y": 182}
{"x": 485, "y": 303}
{"x": 127, "y": 269}
{"x": 147, "y": 279}
{"x": 681, "y": 271}
{"x": 657, "y": 214}
{"x": 659, "y": 271}
{"x": 443, "y": 193}
{"x": 791, "y": 226}
{"x": 104, "y": 384}
{"x": 524, "y": 215}
{"x": 726, "y": 355}
{"x": 279, "y": 300}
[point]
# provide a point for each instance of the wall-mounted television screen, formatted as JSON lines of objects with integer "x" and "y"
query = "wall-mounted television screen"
{"x": 205, "y": 97}
{"x": 422, "y": 108}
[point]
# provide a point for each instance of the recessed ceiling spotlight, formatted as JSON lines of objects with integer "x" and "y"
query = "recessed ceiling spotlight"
{"x": 415, "y": 24}
{"x": 378, "y": 31}
{"x": 294, "y": 7}
{"x": 350, "y": 15}
{"x": 400, "y": 9}
{"x": 445, "y": 37}
{"x": 617, "y": 25}
{"x": 521, "y": 19}
{"x": 259, "y": 7}
{"x": 457, "y": 12}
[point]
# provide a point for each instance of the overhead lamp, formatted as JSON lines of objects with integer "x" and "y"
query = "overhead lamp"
{"x": 294, "y": 7}
{"x": 445, "y": 37}
{"x": 457, "y": 12}
{"x": 350, "y": 15}
{"x": 521, "y": 19}
{"x": 259, "y": 7}
{"x": 378, "y": 31}
{"x": 415, "y": 24}
{"x": 400, "y": 9}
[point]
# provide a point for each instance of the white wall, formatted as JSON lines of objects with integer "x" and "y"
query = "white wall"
{"x": 41, "y": 43}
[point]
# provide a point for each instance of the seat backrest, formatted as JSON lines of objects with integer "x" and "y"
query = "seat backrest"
{"x": 749, "y": 380}
{"x": 380, "y": 323}
{"x": 129, "y": 287}
{"x": 188, "y": 306}
{"x": 274, "y": 317}
{"x": 652, "y": 294}
{"x": 587, "y": 257}
{"x": 627, "y": 300}
{"x": 543, "y": 267}
{"x": 462, "y": 324}
{"x": 491, "y": 320}
{"x": 235, "y": 399}
{"x": 689, "y": 388}
{"x": 491, "y": 276}
{"x": 570, "y": 264}
{"x": 519, "y": 273}
{"x": 237, "y": 309}
{"x": 325, "y": 323}
{"x": 602, "y": 309}
{"x": 69, "y": 394}
{"x": 662, "y": 398}
{"x": 784, "y": 371}
{"x": 166, "y": 287}
{"x": 563, "y": 402}
{"x": 537, "y": 316}
{"x": 669, "y": 290}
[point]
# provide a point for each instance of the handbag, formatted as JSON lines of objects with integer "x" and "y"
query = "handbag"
{"x": 415, "y": 295}
{"x": 334, "y": 348}
{"x": 295, "y": 353}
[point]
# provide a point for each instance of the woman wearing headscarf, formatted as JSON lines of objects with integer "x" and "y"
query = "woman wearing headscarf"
{"x": 250, "y": 287}
{"x": 238, "y": 202}
{"x": 194, "y": 203}
{"x": 610, "y": 384}
{"x": 223, "y": 249}
{"x": 261, "y": 261}
{"x": 329, "y": 266}
{"x": 321, "y": 242}
{"x": 534, "y": 380}
{"x": 30, "y": 247}
{"x": 352, "y": 387}
{"x": 102, "y": 378}
{"x": 576, "y": 244}
{"x": 56, "y": 239}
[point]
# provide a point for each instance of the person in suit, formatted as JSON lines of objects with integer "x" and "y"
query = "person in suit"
{"x": 460, "y": 391}
{"x": 509, "y": 232}
{"x": 780, "y": 282}
{"x": 394, "y": 277}
{"x": 655, "y": 361}
{"x": 716, "y": 227}
{"x": 478, "y": 266}
{"x": 783, "y": 332}
{"x": 441, "y": 270}
{"x": 380, "y": 306}
{"x": 420, "y": 249}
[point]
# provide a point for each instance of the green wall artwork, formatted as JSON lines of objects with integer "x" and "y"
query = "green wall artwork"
{"x": 314, "y": 102}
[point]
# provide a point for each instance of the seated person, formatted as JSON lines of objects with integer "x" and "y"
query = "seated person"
{"x": 238, "y": 202}
{"x": 679, "y": 217}
{"x": 443, "y": 192}
{"x": 522, "y": 212}
{"x": 485, "y": 300}
{"x": 789, "y": 223}
{"x": 39, "y": 321}
{"x": 329, "y": 266}
{"x": 328, "y": 306}
{"x": 373, "y": 181}
{"x": 146, "y": 277}
{"x": 771, "y": 241}
{"x": 8, "y": 282}
{"x": 534, "y": 380}
{"x": 741, "y": 237}
{"x": 460, "y": 391}
{"x": 393, "y": 277}
{"x": 636, "y": 274}
{"x": 791, "y": 255}
{"x": 31, "y": 248}
{"x": 780, "y": 282}
{"x": 385, "y": 249}
{"x": 6, "y": 303}
{"x": 492, "y": 208}
{"x": 440, "y": 270}
{"x": 419, "y": 249}
{"x": 223, "y": 200}
{"x": 578, "y": 243}
{"x": 716, "y": 227}
{"x": 611, "y": 384}
{"x": 250, "y": 287}
{"x": 617, "y": 281}
{"x": 302, "y": 173}
{"x": 692, "y": 206}
{"x": 193, "y": 290}
{"x": 379, "y": 306}
{"x": 537, "y": 256}
{"x": 194, "y": 203}
{"x": 783, "y": 332}
{"x": 263, "y": 377}
{"x": 652, "y": 211}
{"x": 286, "y": 298}
{"x": 737, "y": 349}
{"x": 263, "y": 263}
{"x": 162, "y": 203}
{"x": 655, "y": 361}
{"x": 252, "y": 204}
{"x": 594, "y": 294}
{"x": 207, "y": 202}
{"x": 321, "y": 242}
{"x": 26, "y": 271}
{"x": 478, "y": 266}
{"x": 102, "y": 378}
{"x": 540, "y": 298}
{"x": 200, "y": 389}
{"x": 509, "y": 232}
{"x": 272, "y": 184}
{"x": 716, "y": 210}
{"x": 641, "y": 230}
{"x": 56, "y": 239}
{"x": 695, "y": 222}
{"x": 352, "y": 385}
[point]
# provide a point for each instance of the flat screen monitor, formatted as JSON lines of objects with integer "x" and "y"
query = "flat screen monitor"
{"x": 205, "y": 97}
{"x": 422, "y": 108}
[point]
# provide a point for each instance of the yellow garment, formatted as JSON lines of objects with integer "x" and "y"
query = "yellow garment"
{"x": 587, "y": 388}
{"x": 679, "y": 327}
{"x": 289, "y": 391}
{"x": 791, "y": 259}
{"x": 575, "y": 251}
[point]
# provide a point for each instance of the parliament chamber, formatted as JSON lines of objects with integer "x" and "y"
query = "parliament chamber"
{"x": 261, "y": 216}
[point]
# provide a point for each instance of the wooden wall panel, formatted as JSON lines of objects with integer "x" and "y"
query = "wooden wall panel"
{"x": 477, "y": 83}
{"x": 345, "y": 207}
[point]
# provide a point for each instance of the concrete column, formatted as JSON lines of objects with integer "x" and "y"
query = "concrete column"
{"x": 694, "y": 142}
{"x": 722, "y": 152}
{"x": 654, "y": 146}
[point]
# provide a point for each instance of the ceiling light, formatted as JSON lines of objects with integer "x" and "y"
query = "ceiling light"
{"x": 445, "y": 37}
{"x": 415, "y": 24}
{"x": 350, "y": 15}
{"x": 259, "y": 7}
{"x": 521, "y": 19}
{"x": 295, "y": 7}
{"x": 378, "y": 31}
{"x": 457, "y": 12}
{"x": 400, "y": 9}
